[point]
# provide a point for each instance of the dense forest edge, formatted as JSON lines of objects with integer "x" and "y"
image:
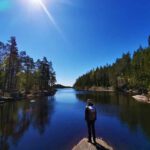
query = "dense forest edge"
{"x": 128, "y": 74}
{"x": 21, "y": 76}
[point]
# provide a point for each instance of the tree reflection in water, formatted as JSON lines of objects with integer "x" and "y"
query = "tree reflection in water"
{"x": 129, "y": 111}
{"x": 17, "y": 117}
{"x": 40, "y": 116}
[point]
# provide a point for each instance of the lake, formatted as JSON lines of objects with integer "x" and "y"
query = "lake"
{"x": 57, "y": 122}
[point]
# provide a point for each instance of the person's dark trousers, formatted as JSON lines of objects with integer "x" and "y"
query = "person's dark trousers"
{"x": 91, "y": 130}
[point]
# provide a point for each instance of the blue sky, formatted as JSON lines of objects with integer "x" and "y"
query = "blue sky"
{"x": 85, "y": 33}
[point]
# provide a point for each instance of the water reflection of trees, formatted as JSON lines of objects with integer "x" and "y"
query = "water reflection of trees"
{"x": 41, "y": 112}
{"x": 129, "y": 111}
{"x": 16, "y": 118}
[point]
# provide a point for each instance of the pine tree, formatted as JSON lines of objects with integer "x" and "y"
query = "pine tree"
{"x": 12, "y": 65}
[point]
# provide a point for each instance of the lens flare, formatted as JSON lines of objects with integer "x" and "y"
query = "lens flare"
{"x": 50, "y": 17}
{"x": 5, "y": 5}
{"x": 48, "y": 14}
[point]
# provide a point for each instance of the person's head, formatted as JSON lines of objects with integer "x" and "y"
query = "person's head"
{"x": 89, "y": 102}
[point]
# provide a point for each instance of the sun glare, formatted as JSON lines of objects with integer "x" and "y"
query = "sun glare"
{"x": 36, "y": 2}
{"x": 41, "y": 4}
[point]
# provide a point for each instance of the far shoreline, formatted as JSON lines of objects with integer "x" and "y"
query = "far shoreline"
{"x": 145, "y": 98}
{"x": 97, "y": 89}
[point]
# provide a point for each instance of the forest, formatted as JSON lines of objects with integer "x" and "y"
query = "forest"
{"x": 20, "y": 73}
{"x": 127, "y": 72}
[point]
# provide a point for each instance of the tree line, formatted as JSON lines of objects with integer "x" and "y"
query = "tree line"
{"x": 19, "y": 72}
{"x": 127, "y": 72}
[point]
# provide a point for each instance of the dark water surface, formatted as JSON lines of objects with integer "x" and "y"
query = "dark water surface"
{"x": 57, "y": 123}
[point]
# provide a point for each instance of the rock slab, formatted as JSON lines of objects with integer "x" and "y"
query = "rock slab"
{"x": 142, "y": 98}
{"x": 85, "y": 145}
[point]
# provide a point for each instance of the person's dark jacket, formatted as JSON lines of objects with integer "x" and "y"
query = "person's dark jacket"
{"x": 88, "y": 113}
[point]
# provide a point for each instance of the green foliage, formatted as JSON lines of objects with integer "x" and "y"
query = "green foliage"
{"x": 127, "y": 72}
{"x": 18, "y": 71}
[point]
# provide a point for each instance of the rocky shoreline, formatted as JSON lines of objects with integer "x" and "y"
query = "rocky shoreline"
{"x": 9, "y": 97}
{"x": 142, "y": 98}
{"x": 112, "y": 89}
{"x": 139, "y": 97}
{"x": 98, "y": 89}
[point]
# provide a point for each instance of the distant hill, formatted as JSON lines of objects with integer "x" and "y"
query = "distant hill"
{"x": 61, "y": 86}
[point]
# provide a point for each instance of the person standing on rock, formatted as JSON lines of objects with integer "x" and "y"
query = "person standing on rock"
{"x": 90, "y": 117}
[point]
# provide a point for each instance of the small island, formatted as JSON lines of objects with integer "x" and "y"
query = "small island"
{"x": 60, "y": 86}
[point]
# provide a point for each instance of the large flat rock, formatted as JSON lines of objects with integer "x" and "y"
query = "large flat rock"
{"x": 142, "y": 98}
{"x": 85, "y": 145}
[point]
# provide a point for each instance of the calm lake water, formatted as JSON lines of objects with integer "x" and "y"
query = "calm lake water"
{"x": 57, "y": 123}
